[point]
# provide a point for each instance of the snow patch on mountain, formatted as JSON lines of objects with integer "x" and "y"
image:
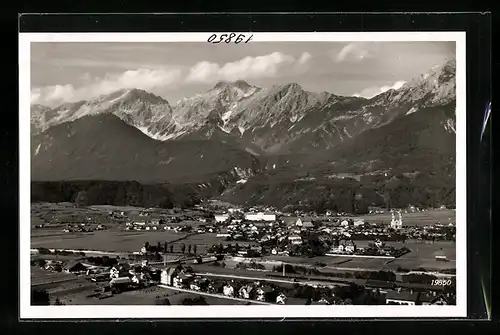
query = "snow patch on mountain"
{"x": 450, "y": 126}
{"x": 224, "y": 130}
{"x": 412, "y": 110}
{"x": 38, "y": 148}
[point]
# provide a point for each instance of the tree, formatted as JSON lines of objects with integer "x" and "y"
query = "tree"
{"x": 40, "y": 263}
{"x": 189, "y": 248}
{"x": 81, "y": 199}
{"x": 163, "y": 301}
{"x": 195, "y": 301}
{"x": 39, "y": 297}
{"x": 58, "y": 302}
{"x": 194, "y": 249}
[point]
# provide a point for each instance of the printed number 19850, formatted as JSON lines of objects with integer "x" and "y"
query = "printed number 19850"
{"x": 441, "y": 282}
{"x": 228, "y": 38}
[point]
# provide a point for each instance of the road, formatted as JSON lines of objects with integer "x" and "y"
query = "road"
{"x": 214, "y": 295}
{"x": 54, "y": 281}
{"x": 299, "y": 281}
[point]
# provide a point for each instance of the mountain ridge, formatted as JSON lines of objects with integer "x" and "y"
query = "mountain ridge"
{"x": 256, "y": 143}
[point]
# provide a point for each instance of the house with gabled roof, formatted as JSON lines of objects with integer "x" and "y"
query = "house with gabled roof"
{"x": 168, "y": 275}
{"x": 292, "y": 221}
{"x": 435, "y": 298}
{"x": 281, "y": 299}
{"x": 74, "y": 267}
{"x": 400, "y": 297}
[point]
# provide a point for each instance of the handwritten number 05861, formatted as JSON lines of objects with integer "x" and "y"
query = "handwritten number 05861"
{"x": 228, "y": 38}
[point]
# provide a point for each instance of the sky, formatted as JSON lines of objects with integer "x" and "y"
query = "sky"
{"x": 67, "y": 72}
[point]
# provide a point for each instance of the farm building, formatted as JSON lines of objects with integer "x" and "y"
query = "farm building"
{"x": 168, "y": 275}
{"x": 221, "y": 217}
{"x": 436, "y": 299}
{"x": 439, "y": 255}
{"x": 401, "y": 297}
{"x": 260, "y": 217}
{"x": 74, "y": 267}
{"x": 291, "y": 221}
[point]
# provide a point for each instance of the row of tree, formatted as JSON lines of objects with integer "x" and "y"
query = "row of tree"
{"x": 169, "y": 248}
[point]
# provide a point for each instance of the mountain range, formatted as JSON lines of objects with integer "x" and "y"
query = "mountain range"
{"x": 238, "y": 132}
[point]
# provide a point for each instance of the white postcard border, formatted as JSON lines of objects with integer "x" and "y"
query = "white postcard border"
{"x": 234, "y": 311}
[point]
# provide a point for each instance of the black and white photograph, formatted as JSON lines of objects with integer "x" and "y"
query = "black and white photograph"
{"x": 243, "y": 175}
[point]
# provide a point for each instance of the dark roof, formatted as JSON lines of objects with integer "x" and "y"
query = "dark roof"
{"x": 378, "y": 284}
{"x": 74, "y": 265}
{"x": 267, "y": 289}
{"x": 421, "y": 287}
{"x": 170, "y": 271}
{"x": 124, "y": 266}
{"x": 403, "y": 295}
{"x": 321, "y": 302}
{"x": 295, "y": 301}
{"x": 121, "y": 280}
{"x": 431, "y": 298}
{"x": 289, "y": 219}
{"x": 217, "y": 285}
{"x": 185, "y": 276}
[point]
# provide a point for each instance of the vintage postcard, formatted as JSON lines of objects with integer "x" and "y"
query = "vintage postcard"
{"x": 242, "y": 175}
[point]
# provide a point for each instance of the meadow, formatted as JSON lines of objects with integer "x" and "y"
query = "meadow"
{"x": 414, "y": 219}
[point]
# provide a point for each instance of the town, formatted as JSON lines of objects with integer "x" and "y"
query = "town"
{"x": 247, "y": 255}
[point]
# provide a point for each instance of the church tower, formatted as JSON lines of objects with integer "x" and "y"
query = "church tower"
{"x": 396, "y": 223}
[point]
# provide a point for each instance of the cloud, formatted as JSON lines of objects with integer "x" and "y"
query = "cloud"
{"x": 304, "y": 58}
{"x": 370, "y": 92}
{"x": 266, "y": 66}
{"x": 143, "y": 78}
{"x": 154, "y": 78}
{"x": 355, "y": 52}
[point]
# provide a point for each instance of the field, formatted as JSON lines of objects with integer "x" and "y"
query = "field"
{"x": 421, "y": 256}
{"x": 108, "y": 240}
{"x": 121, "y": 241}
{"x": 414, "y": 219}
{"x": 146, "y": 296}
{"x": 117, "y": 240}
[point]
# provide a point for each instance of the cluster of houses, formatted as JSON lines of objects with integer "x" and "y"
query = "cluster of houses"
{"x": 411, "y": 294}
{"x": 125, "y": 276}
{"x": 83, "y": 227}
{"x": 175, "y": 277}
{"x": 260, "y": 291}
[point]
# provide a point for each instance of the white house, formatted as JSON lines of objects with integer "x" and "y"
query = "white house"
{"x": 265, "y": 238}
{"x": 359, "y": 222}
{"x": 295, "y": 239}
{"x": 228, "y": 290}
{"x": 281, "y": 299}
{"x": 221, "y": 217}
{"x": 261, "y": 293}
{"x": 244, "y": 291}
{"x": 260, "y": 217}
{"x": 350, "y": 246}
{"x": 168, "y": 275}
{"x": 401, "y": 298}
